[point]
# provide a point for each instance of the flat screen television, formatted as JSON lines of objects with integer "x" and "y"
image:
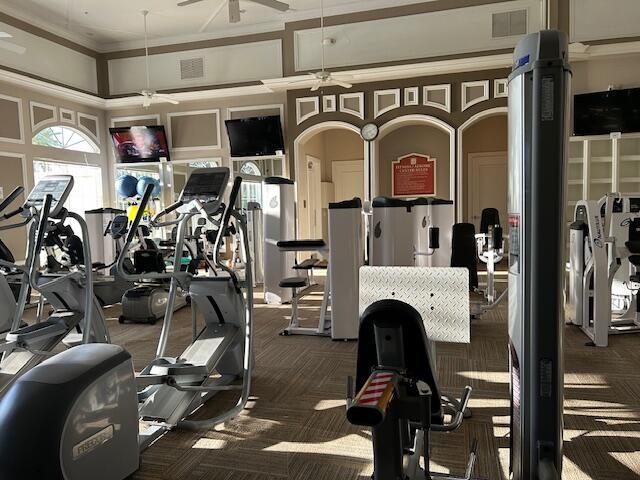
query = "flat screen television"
{"x": 255, "y": 136}
{"x": 139, "y": 144}
{"x": 606, "y": 112}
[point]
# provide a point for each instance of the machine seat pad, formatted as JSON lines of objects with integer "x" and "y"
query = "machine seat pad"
{"x": 417, "y": 359}
{"x": 308, "y": 264}
{"x": 633, "y": 246}
{"x": 293, "y": 282}
{"x": 292, "y": 244}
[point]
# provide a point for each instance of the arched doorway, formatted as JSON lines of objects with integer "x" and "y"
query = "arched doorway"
{"x": 422, "y": 134}
{"x": 330, "y": 160}
{"x": 482, "y": 165}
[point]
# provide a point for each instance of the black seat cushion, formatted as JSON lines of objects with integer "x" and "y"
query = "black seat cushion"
{"x": 416, "y": 362}
{"x": 633, "y": 247}
{"x": 463, "y": 251}
{"x": 490, "y": 217}
{"x": 308, "y": 264}
{"x": 293, "y": 282}
{"x": 318, "y": 243}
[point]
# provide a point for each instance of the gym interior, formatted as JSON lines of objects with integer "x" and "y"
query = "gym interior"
{"x": 319, "y": 239}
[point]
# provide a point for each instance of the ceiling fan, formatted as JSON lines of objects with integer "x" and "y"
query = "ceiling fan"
{"x": 325, "y": 78}
{"x": 149, "y": 95}
{"x": 234, "y": 6}
{"x": 12, "y": 47}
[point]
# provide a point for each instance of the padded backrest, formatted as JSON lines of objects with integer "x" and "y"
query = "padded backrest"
{"x": 392, "y": 335}
{"x": 463, "y": 250}
{"x": 490, "y": 217}
{"x": 5, "y": 253}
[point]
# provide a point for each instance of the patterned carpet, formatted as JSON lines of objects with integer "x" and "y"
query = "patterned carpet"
{"x": 295, "y": 425}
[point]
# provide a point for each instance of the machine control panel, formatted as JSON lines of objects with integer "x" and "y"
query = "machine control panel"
{"x": 207, "y": 186}
{"x": 58, "y": 186}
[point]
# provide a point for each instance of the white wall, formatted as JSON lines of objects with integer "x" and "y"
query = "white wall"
{"x": 425, "y": 35}
{"x": 603, "y": 19}
{"x": 50, "y": 60}
{"x": 222, "y": 65}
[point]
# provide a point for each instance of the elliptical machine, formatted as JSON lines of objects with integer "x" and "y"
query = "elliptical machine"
{"x": 99, "y": 413}
{"x": 77, "y": 317}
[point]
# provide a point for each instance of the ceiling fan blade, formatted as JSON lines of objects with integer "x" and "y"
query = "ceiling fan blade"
{"x": 5, "y": 35}
{"x": 275, "y": 4}
{"x": 188, "y": 2}
{"x": 316, "y": 87}
{"x": 234, "y": 11}
{"x": 213, "y": 16}
{"x": 167, "y": 98}
{"x": 340, "y": 83}
{"x": 12, "y": 47}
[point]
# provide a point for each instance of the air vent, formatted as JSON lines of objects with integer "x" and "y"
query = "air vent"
{"x": 192, "y": 68}
{"x": 508, "y": 24}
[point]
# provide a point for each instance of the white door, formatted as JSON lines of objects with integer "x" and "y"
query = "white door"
{"x": 487, "y": 185}
{"x": 314, "y": 188}
{"x": 348, "y": 179}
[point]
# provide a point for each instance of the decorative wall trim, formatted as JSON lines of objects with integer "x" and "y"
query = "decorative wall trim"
{"x": 500, "y": 88}
{"x": 360, "y": 97}
{"x": 133, "y": 118}
{"x": 53, "y": 119}
{"x": 446, "y": 106}
{"x": 215, "y": 111}
{"x": 469, "y": 102}
{"x": 379, "y": 94}
{"x": 94, "y": 136}
{"x": 411, "y": 96}
{"x": 20, "y": 119}
{"x": 492, "y": 112}
{"x": 315, "y": 111}
{"x": 329, "y": 103}
{"x": 247, "y": 108}
{"x": 25, "y": 170}
{"x": 70, "y": 113}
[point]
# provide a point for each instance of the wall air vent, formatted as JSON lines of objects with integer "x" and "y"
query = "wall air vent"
{"x": 508, "y": 24}
{"x": 191, "y": 68}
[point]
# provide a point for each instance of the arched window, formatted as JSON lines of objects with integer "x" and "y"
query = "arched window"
{"x": 66, "y": 138}
{"x": 250, "y": 168}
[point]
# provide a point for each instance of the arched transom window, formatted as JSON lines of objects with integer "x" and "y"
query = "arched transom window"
{"x": 66, "y": 138}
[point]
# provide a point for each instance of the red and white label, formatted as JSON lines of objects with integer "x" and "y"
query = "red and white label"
{"x": 375, "y": 389}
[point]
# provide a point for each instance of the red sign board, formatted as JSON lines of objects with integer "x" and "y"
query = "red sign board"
{"x": 413, "y": 175}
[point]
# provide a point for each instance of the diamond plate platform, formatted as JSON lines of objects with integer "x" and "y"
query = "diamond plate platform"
{"x": 440, "y": 295}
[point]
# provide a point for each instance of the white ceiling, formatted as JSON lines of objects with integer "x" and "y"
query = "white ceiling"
{"x": 117, "y": 24}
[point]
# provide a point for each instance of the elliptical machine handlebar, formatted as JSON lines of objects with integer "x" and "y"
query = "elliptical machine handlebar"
{"x": 166, "y": 211}
{"x": 10, "y": 198}
{"x": 224, "y": 223}
{"x": 43, "y": 224}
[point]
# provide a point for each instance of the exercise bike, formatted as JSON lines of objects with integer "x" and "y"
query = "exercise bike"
{"x": 398, "y": 395}
{"x": 99, "y": 413}
{"x": 77, "y": 317}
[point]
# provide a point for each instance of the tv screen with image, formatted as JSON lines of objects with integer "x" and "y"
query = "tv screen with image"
{"x": 255, "y": 136}
{"x": 139, "y": 144}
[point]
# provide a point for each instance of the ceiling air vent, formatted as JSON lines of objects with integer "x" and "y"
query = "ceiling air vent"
{"x": 507, "y": 24}
{"x": 191, "y": 68}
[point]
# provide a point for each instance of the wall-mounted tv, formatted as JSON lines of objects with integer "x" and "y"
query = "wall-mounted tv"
{"x": 255, "y": 136}
{"x": 606, "y": 112}
{"x": 139, "y": 144}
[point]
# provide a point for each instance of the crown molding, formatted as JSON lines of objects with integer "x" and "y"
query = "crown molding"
{"x": 578, "y": 52}
{"x": 51, "y": 89}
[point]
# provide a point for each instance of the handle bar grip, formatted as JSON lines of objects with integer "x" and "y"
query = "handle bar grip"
{"x": 168, "y": 210}
{"x": 12, "y": 214}
{"x": 141, "y": 208}
{"x": 42, "y": 227}
{"x": 370, "y": 406}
